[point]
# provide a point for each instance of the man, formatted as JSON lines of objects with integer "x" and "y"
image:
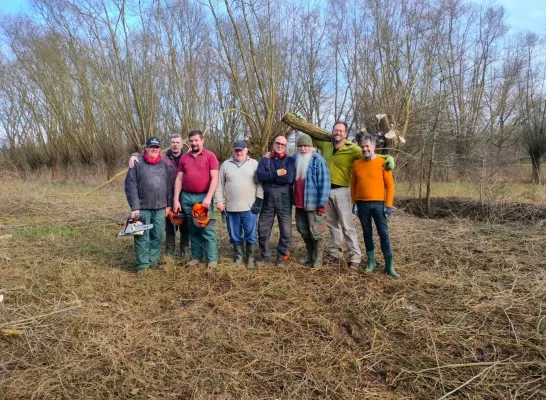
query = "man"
{"x": 196, "y": 183}
{"x": 340, "y": 154}
{"x": 311, "y": 191}
{"x": 148, "y": 188}
{"x": 244, "y": 197}
{"x": 276, "y": 173}
{"x": 372, "y": 190}
{"x": 172, "y": 157}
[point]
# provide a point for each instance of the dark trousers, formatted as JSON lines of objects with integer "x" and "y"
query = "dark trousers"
{"x": 368, "y": 210}
{"x": 170, "y": 230}
{"x": 275, "y": 204}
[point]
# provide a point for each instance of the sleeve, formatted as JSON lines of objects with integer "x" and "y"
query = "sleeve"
{"x": 324, "y": 184}
{"x": 213, "y": 162}
{"x": 287, "y": 179}
{"x": 259, "y": 187}
{"x": 131, "y": 189}
{"x": 389, "y": 187}
{"x": 357, "y": 152}
{"x": 219, "y": 192}
{"x": 264, "y": 172}
{"x": 170, "y": 184}
{"x": 318, "y": 144}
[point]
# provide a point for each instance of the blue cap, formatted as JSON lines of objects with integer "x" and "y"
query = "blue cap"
{"x": 239, "y": 145}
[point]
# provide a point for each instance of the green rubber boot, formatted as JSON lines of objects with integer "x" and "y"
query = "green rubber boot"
{"x": 371, "y": 261}
{"x": 310, "y": 256}
{"x": 389, "y": 269}
{"x": 250, "y": 264}
{"x": 239, "y": 254}
{"x": 318, "y": 250}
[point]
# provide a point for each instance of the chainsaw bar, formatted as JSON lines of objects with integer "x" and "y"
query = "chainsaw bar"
{"x": 131, "y": 229}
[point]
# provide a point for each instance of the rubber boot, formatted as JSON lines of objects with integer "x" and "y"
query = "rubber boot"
{"x": 389, "y": 269}
{"x": 371, "y": 261}
{"x": 239, "y": 254}
{"x": 318, "y": 250}
{"x": 250, "y": 255}
{"x": 169, "y": 245}
{"x": 310, "y": 256}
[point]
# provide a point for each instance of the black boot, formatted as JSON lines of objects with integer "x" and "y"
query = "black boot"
{"x": 310, "y": 256}
{"x": 250, "y": 255}
{"x": 169, "y": 245}
{"x": 239, "y": 254}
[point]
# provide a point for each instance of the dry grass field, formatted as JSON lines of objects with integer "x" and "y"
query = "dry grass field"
{"x": 467, "y": 319}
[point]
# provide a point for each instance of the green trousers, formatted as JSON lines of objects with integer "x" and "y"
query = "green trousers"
{"x": 202, "y": 240}
{"x": 148, "y": 246}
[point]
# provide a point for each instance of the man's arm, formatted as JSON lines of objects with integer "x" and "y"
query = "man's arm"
{"x": 389, "y": 187}
{"x": 219, "y": 193}
{"x": 324, "y": 183}
{"x": 131, "y": 191}
{"x": 177, "y": 190}
{"x": 212, "y": 188}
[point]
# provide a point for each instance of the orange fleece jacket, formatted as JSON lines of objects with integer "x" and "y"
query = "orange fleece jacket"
{"x": 370, "y": 181}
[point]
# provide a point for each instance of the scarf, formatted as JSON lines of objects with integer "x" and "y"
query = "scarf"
{"x": 150, "y": 161}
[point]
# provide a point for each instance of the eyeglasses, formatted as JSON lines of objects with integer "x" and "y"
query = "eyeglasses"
{"x": 280, "y": 144}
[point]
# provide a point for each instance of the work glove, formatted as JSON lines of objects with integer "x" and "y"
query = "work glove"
{"x": 388, "y": 212}
{"x": 257, "y": 206}
{"x": 355, "y": 209}
{"x": 281, "y": 172}
{"x": 389, "y": 163}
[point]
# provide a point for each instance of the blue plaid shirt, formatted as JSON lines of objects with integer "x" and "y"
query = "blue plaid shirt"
{"x": 317, "y": 183}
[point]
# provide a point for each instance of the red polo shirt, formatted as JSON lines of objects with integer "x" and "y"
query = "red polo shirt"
{"x": 196, "y": 170}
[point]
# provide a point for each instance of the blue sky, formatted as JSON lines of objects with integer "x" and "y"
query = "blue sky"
{"x": 521, "y": 14}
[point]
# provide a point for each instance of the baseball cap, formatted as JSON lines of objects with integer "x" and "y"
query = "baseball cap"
{"x": 239, "y": 145}
{"x": 153, "y": 141}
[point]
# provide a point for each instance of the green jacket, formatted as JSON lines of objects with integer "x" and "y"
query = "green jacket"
{"x": 341, "y": 163}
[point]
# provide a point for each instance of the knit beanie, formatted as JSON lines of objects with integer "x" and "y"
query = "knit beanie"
{"x": 304, "y": 140}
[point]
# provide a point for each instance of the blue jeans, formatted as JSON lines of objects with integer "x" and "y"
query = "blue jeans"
{"x": 148, "y": 246}
{"x": 368, "y": 210}
{"x": 241, "y": 227}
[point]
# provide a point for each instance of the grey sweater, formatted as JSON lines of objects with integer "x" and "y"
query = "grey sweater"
{"x": 238, "y": 184}
{"x": 149, "y": 186}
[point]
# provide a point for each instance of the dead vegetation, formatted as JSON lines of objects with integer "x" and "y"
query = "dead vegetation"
{"x": 466, "y": 320}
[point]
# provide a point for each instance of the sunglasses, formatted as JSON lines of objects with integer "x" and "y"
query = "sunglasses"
{"x": 280, "y": 144}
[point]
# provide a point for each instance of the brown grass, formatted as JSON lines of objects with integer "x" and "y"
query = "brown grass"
{"x": 466, "y": 320}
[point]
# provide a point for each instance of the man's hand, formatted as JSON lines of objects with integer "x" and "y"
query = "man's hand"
{"x": 176, "y": 205}
{"x": 267, "y": 155}
{"x": 388, "y": 212}
{"x": 257, "y": 206}
{"x": 135, "y": 213}
{"x": 389, "y": 163}
{"x": 281, "y": 172}
{"x": 206, "y": 202}
{"x": 167, "y": 211}
{"x": 321, "y": 211}
{"x": 132, "y": 161}
{"x": 355, "y": 209}
{"x": 220, "y": 207}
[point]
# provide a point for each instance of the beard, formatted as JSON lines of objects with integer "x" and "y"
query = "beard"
{"x": 195, "y": 149}
{"x": 302, "y": 164}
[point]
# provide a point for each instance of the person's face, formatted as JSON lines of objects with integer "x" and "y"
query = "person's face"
{"x": 304, "y": 149}
{"x": 368, "y": 149}
{"x": 153, "y": 152}
{"x": 339, "y": 133}
{"x": 240, "y": 155}
{"x": 176, "y": 145}
{"x": 279, "y": 145}
{"x": 196, "y": 143}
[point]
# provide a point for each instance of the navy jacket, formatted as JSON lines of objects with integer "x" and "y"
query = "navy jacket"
{"x": 267, "y": 173}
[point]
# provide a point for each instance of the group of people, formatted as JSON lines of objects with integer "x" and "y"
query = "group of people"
{"x": 325, "y": 181}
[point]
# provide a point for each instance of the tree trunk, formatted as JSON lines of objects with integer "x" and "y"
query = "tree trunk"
{"x": 306, "y": 127}
{"x": 535, "y": 163}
